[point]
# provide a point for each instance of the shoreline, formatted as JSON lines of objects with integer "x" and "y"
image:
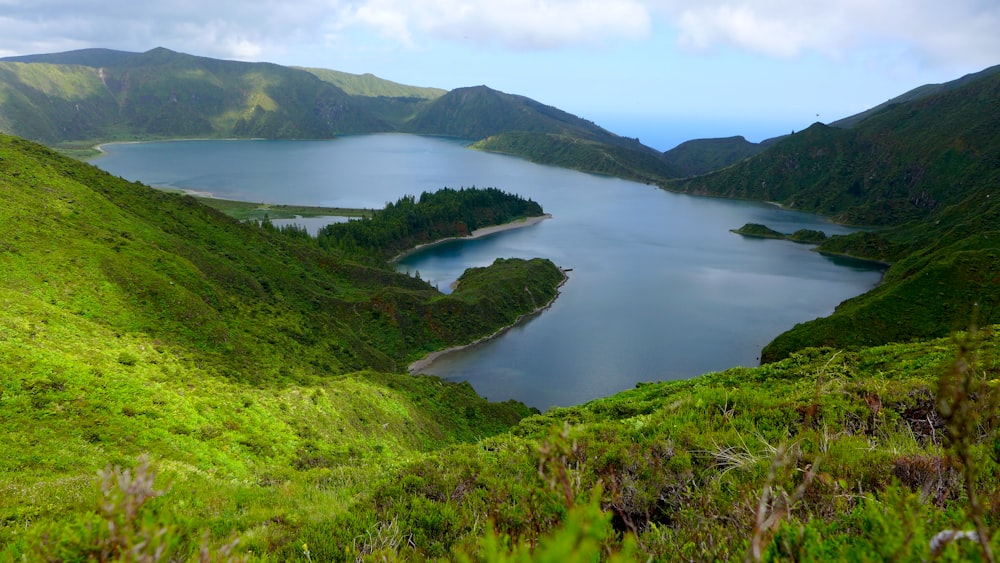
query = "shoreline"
{"x": 417, "y": 366}
{"x": 478, "y": 233}
{"x": 100, "y": 146}
{"x": 883, "y": 264}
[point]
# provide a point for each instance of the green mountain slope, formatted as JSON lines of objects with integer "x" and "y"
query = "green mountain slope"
{"x": 902, "y": 164}
{"x": 593, "y": 156}
{"x": 142, "y": 260}
{"x": 372, "y": 86}
{"x": 521, "y": 126}
{"x": 927, "y": 168}
{"x": 915, "y": 94}
{"x": 700, "y": 156}
{"x": 827, "y": 456}
{"x": 138, "y": 321}
{"x": 85, "y": 57}
{"x": 161, "y": 93}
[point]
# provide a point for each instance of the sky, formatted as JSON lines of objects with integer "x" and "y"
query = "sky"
{"x": 661, "y": 70}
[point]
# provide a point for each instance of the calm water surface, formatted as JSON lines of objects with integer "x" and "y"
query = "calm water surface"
{"x": 659, "y": 289}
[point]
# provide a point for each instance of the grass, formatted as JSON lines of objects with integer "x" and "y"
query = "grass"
{"x": 845, "y": 447}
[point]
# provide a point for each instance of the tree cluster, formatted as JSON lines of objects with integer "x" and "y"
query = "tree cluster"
{"x": 410, "y": 221}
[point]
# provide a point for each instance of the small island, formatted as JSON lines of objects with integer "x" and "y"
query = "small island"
{"x": 805, "y": 236}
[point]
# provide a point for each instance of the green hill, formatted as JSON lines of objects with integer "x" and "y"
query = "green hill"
{"x": 700, "y": 156}
{"x": 521, "y": 126}
{"x": 372, "y": 86}
{"x": 155, "y": 324}
{"x": 926, "y": 169}
{"x": 905, "y": 163}
{"x": 479, "y": 112}
{"x": 915, "y": 94}
{"x": 176, "y": 385}
{"x": 167, "y": 266}
{"x": 161, "y": 93}
{"x": 85, "y": 57}
{"x": 578, "y": 153}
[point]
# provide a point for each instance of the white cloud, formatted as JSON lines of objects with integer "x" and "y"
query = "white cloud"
{"x": 518, "y": 24}
{"x": 917, "y": 32}
{"x": 930, "y": 31}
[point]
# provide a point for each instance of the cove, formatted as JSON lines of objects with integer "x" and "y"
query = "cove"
{"x": 659, "y": 288}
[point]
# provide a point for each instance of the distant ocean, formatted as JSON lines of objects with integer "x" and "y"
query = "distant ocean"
{"x": 665, "y": 133}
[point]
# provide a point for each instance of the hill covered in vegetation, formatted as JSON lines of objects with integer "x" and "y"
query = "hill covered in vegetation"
{"x": 108, "y": 95}
{"x": 178, "y": 385}
{"x": 701, "y": 156}
{"x": 925, "y": 171}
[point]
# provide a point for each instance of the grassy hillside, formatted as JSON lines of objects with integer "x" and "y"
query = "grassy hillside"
{"x": 162, "y": 264}
{"x": 107, "y": 95}
{"x": 915, "y": 94}
{"x": 372, "y": 86}
{"x": 581, "y": 154}
{"x": 827, "y": 456}
{"x": 520, "y": 126}
{"x": 946, "y": 273}
{"x": 244, "y": 361}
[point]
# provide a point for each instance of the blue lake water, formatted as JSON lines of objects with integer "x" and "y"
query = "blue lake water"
{"x": 659, "y": 289}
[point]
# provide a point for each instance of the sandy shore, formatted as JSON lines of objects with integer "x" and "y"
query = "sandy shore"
{"x": 422, "y": 364}
{"x": 479, "y": 233}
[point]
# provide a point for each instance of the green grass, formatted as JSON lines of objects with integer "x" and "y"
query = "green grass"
{"x": 367, "y": 463}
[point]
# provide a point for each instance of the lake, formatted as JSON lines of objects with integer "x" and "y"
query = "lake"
{"x": 659, "y": 288}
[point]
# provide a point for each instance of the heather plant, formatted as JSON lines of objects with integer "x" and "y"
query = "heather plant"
{"x": 125, "y": 526}
{"x": 970, "y": 407}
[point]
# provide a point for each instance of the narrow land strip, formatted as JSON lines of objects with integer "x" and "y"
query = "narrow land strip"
{"x": 478, "y": 233}
{"x": 423, "y": 363}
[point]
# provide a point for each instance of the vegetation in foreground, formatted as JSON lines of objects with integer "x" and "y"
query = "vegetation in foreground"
{"x": 882, "y": 453}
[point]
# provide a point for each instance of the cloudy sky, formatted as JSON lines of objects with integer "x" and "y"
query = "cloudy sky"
{"x": 660, "y": 70}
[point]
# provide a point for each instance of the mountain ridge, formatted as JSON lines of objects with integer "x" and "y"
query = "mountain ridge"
{"x": 113, "y": 95}
{"x": 915, "y": 94}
